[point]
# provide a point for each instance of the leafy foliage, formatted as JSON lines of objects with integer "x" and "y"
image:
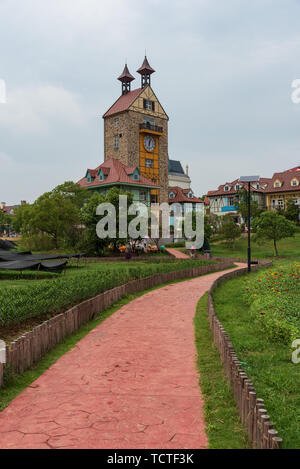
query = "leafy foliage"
{"x": 272, "y": 226}
{"x": 54, "y": 213}
{"x": 274, "y": 297}
{"x": 292, "y": 211}
{"x": 242, "y": 205}
{"x": 229, "y": 230}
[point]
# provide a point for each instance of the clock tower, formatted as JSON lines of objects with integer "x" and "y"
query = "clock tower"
{"x": 136, "y": 131}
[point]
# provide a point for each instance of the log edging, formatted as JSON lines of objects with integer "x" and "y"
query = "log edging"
{"x": 252, "y": 411}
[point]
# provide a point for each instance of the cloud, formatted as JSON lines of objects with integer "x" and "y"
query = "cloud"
{"x": 37, "y": 110}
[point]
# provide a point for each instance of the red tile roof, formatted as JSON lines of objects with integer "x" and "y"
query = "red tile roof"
{"x": 123, "y": 102}
{"x": 267, "y": 184}
{"x": 285, "y": 178}
{"x": 232, "y": 191}
{"x": 181, "y": 196}
{"x": 116, "y": 172}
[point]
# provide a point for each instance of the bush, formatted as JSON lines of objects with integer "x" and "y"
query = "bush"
{"x": 36, "y": 242}
{"x": 274, "y": 301}
{"x": 180, "y": 244}
{"x": 50, "y": 296}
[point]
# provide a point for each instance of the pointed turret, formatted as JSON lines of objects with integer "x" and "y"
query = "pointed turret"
{"x": 126, "y": 78}
{"x": 145, "y": 71}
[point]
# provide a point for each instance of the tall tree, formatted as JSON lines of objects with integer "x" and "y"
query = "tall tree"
{"x": 242, "y": 205}
{"x": 230, "y": 230}
{"x": 274, "y": 227}
{"x": 292, "y": 211}
{"x": 91, "y": 242}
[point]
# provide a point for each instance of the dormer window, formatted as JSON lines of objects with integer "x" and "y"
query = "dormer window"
{"x": 237, "y": 187}
{"x": 277, "y": 184}
{"x": 226, "y": 188}
{"x": 257, "y": 186}
{"x": 171, "y": 195}
{"x": 190, "y": 195}
{"x": 294, "y": 182}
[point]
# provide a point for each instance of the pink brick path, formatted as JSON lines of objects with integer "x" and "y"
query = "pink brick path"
{"x": 177, "y": 254}
{"x": 130, "y": 383}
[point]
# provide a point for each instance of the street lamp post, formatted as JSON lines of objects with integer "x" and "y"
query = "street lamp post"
{"x": 249, "y": 180}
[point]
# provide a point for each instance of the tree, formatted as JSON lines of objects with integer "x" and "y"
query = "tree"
{"x": 91, "y": 241}
{"x": 4, "y": 220}
{"x": 52, "y": 213}
{"x": 230, "y": 230}
{"x": 272, "y": 226}
{"x": 242, "y": 205}
{"x": 70, "y": 190}
{"x": 292, "y": 211}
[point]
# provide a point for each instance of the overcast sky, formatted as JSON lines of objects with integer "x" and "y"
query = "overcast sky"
{"x": 223, "y": 74}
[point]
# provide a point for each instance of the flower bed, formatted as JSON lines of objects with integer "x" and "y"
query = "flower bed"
{"x": 274, "y": 299}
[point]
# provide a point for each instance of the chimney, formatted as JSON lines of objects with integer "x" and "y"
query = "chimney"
{"x": 187, "y": 170}
{"x": 23, "y": 202}
{"x": 2, "y": 205}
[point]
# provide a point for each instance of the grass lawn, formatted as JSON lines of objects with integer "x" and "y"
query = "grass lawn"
{"x": 267, "y": 363}
{"x": 288, "y": 247}
{"x": 223, "y": 426}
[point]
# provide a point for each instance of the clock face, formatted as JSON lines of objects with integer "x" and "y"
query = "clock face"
{"x": 149, "y": 143}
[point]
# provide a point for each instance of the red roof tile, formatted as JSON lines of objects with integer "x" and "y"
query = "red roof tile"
{"x": 115, "y": 172}
{"x": 181, "y": 196}
{"x": 123, "y": 102}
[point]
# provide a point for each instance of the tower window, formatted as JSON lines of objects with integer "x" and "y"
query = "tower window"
{"x": 116, "y": 147}
{"x": 149, "y": 105}
{"x": 149, "y": 163}
{"x": 116, "y": 122}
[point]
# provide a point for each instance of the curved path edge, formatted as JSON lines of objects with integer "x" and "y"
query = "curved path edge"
{"x": 131, "y": 383}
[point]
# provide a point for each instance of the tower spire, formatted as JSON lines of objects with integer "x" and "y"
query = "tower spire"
{"x": 145, "y": 71}
{"x": 126, "y": 78}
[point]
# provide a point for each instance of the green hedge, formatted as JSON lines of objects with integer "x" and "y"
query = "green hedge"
{"x": 180, "y": 244}
{"x": 22, "y": 302}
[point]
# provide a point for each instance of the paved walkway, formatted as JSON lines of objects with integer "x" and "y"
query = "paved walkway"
{"x": 177, "y": 254}
{"x": 130, "y": 383}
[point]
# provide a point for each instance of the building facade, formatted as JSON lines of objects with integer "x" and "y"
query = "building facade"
{"x": 136, "y": 131}
{"x": 113, "y": 173}
{"x": 177, "y": 176}
{"x": 283, "y": 186}
{"x": 269, "y": 193}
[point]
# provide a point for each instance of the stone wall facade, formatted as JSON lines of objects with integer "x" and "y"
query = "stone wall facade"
{"x": 129, "y": 143}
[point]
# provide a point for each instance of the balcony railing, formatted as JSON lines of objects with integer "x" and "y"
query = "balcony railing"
{"x": 153, "y": 128}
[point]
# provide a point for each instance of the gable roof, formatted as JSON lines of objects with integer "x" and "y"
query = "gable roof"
{"x": 266, "y": 184}
{"x": 181, "y": 195}
{"x": 233, "y": 191}
{"x": 285, "y": 177}
{"x": 116, "y": 172}
{"x": 123, "y": 102}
